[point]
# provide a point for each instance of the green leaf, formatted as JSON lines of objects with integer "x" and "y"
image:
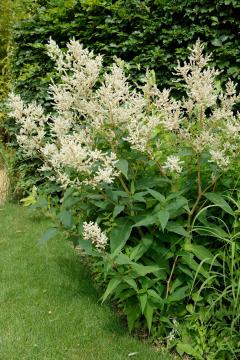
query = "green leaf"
{"x": 186, "y": 348}
{"x": 122, "y": 259}
{"x": 146, "y": 221}
{"x": 86, "y": 246}
{"x": 188, "y": 259}
{"x": 65, "y": 218}
{"x": 212, "y": 230}
{"x": 101, "y": 204}
{"x": 148, "y": 313}
{"x": 178, "y": 203}
{"x": 156, "y": 195}
{"x": 139, "y": 250}
{"x": 142, "y": 270}
{"x": 132, "y": 188}
{"x": 155, "y": 296}
{"x": 216, "y": 42}
{"x": 119, "y": 235}
{"x": 49, "y": 234}
{"x": 143, "y": 301}
{"x": 122, "y": 165}
{"x": 131, "y": 282}
{"x": 178, "y": 295}
{"x": 175, "y": 195}
{"x": 112, "y": 285}
{"x": 163, "y": 217}
{"x": 176, "y": 228}
{"x": 117, "y": 210}
{"x": 203, "y": 254}
{"x": 214, "y": 19}
{"x": 139, "y": 196}
{"x": 133, "y": 313}
{"x": 218, "y": 199}
{"x": 185, "y": 269}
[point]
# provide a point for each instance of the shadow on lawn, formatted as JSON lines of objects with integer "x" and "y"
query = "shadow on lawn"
{"x": 81, "y": 285}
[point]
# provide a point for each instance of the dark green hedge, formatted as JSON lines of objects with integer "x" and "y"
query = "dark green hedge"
{"x": 146, "y": 33}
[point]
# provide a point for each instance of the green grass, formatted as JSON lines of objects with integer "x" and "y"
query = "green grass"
{"x": 49, "y": 309}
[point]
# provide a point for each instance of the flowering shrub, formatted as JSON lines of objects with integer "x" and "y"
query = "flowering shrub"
{"x": 138, "y": 166}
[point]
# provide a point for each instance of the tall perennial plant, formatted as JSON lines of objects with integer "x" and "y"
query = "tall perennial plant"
{"x": 138, "y": 166}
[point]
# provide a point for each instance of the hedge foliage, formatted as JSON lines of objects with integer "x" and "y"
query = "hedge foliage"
{"x": 11, "y": 11}
{"x": 147, "y": 34}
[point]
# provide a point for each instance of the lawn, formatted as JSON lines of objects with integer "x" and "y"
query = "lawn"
{"x": 49, "y": 308}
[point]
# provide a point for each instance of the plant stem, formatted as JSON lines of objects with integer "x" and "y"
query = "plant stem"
{"x": 160, "y": 168}
{"x": 199, "y": 176}
{"x": 199, "y": 197}
{"x": 124, "y": 185}
{"x": 132, "y": 213}
{"x": 171, "y": 275}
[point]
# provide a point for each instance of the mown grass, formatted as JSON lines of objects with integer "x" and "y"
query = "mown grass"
{"x": 48, "y": 306}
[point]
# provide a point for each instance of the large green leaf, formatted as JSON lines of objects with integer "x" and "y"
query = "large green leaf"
{"x": 163, "y": 217}
{"x": 146, "y": 220}
{"x": 119, "y": 235}
{"x": 139, "y": 250}
{"x": 142, "y": 270}
{"x": 157, "y": 195}
{"x": 148, "y": 313}
{"x": 133, "y": 313}
{"x": 122, "y": 165}
{"x": 112, "y": 285}
{"x": 131, "y": 282}
{"x": 188, "y": 259}
{"x": 122, "y": 259}
{"x": 203, "y": 254}
{"x": 86, "y": 245}
{"x": 219, "y": 200}
{"x": 176, "y": 204}
{"x": 156, "y": 298}
{"x": 117, "y": 210}
{"x": 65, "y": 218}
{"x": 212, "y": 230}
{"x": 186, "y": 348}
{"x": 178, "y": 294}
{"x": 176, "y": 228}
{"x": 139, "y": 196}
{"x": 143, "y": 301}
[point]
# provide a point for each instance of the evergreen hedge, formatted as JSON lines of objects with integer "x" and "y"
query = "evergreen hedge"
{"x": 145, "y": 33}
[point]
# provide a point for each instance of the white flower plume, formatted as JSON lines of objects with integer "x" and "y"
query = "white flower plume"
{"x": 92, "y": 232}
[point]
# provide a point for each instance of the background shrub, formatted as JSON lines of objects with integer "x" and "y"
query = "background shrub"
{"x": 11, "y": 12}
{"x": 147, "y": 34}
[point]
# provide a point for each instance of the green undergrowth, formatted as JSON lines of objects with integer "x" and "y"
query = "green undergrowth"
{"x": 48, "y": 307}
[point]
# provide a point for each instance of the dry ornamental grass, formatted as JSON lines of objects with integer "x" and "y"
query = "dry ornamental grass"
{"x": 4, "y": 185}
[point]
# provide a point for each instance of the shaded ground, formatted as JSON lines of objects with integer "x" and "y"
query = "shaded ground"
{"x": 48, "y": 308}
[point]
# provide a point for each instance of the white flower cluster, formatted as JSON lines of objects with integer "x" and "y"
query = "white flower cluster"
{"x": 211, "y": 124}
{"x": 93, "y": 114}
{"x": 199, "y": 79}
{"x": 173, "y": 164}
{"x": 92, "y": 232}
{"x": 32, "y": 120}
{"x": 74, "y": 153}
